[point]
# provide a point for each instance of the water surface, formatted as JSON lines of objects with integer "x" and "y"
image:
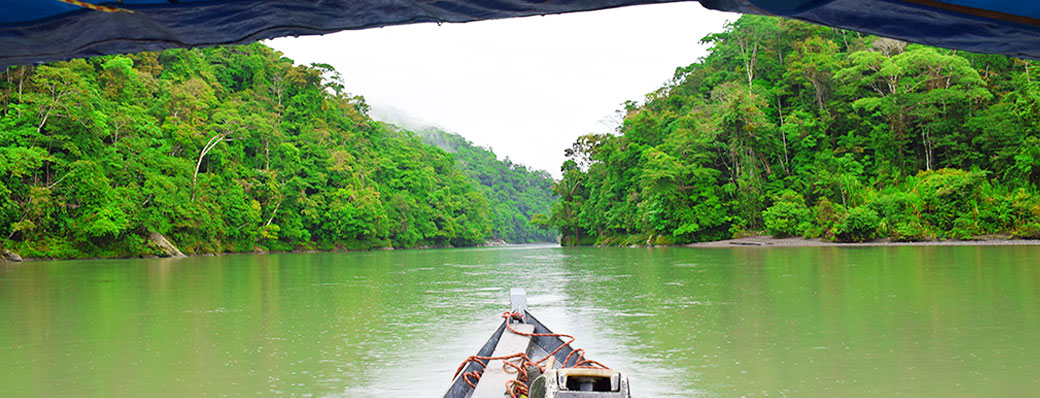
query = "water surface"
{"x": 754, "y": 322}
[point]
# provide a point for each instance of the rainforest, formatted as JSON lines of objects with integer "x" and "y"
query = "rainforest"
{"x": 792, "y": 129}
{"x": 233, "y": 149}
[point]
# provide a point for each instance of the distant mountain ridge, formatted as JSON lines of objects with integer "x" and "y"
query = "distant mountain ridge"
{"x": 516, "y": 193}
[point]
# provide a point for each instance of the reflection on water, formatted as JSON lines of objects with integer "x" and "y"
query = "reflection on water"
{"x": 755, "y": 322}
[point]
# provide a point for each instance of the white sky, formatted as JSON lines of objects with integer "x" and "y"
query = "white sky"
{"x": 525, "y": 87}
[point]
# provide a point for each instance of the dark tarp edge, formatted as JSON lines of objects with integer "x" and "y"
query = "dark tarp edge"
{"x": 88, "y": 33}
{"x": 152, "y": 28}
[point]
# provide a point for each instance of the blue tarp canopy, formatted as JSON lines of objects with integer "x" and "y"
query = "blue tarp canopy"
{"x": 33, "y": 31}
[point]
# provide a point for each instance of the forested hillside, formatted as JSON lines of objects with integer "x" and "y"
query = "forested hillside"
{"x": 797, "y": 129}
{"x": 516, "y": 194}
{"x": 219, "y": 149}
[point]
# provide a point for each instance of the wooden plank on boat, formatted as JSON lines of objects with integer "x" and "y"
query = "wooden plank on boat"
{"x": 493, "y": 383}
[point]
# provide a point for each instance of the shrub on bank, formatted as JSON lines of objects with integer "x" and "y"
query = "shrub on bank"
{"x": 788, "y": 216}
{"x": 910, "y": 231}
{"x": 1028, "y": 231}
{"x": 900, "y": 215}
{"x": 825, "y": 217}
{"x": 949, "y": 199}
{"x": 860, "y": 225}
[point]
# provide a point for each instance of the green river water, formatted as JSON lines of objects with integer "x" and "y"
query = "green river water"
{"x": 743, "y": 322}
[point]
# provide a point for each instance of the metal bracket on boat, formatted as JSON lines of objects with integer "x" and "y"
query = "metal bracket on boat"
{"x": 518, "y": 302}
{"x": 580, "y": 383}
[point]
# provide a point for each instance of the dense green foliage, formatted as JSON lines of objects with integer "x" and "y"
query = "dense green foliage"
{"x": 798, "y": 129}
{"x": 516, "y": 194}
{"x": 219, "y": 149}
{"x": 788, "y": 216}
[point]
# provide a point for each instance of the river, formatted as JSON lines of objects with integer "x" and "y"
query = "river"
{"x": 737, "y": 322}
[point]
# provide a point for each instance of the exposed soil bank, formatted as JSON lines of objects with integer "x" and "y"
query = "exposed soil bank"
{"x": 769, "y": 241}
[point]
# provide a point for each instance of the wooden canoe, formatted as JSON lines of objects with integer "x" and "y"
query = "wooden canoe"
{"x": 537, "y": 342}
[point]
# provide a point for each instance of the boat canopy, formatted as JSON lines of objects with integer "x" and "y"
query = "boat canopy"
{"x": 34, "y": 31}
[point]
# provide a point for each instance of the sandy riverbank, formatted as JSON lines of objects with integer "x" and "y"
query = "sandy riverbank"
{"x": 769, "y": 241}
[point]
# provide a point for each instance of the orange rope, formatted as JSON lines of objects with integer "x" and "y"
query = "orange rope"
{"x": 521, "y": 370}
{"x": 96, "y": 7}
{"x": 518, "y": 387}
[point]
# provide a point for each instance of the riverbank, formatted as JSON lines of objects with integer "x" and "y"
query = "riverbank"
{"x": 769, "y": 241}
{"x": 8, "y": 256}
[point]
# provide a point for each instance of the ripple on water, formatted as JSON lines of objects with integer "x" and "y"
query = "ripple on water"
{"x": 547, "y": 257}
{"x": 476, "y": 289}
{"x": 465, "y": 265}
{"x": 545, "y": 299}
{"x": 218, "y": 310}
{"x": 633, "y": 314}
